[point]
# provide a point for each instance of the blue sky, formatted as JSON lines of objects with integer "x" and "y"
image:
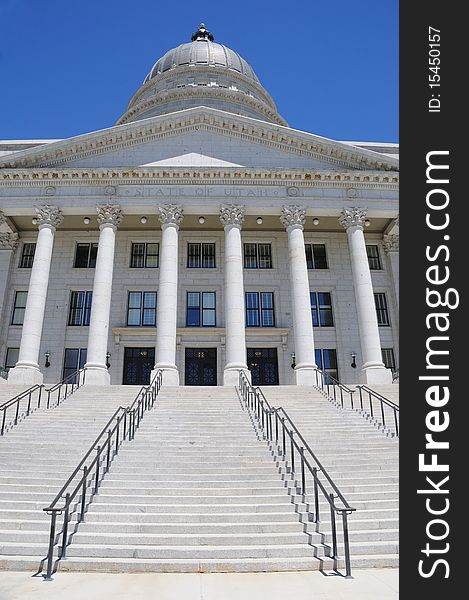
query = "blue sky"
{"x": 68, "y": 67}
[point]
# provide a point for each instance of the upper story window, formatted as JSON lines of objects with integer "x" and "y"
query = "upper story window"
{"x": 321, "y": 309}
{"x": 201, "y": 255}
{"x": 316, "y": 256}
{"x": 27, "y": 256}
{"x": 141, "y": 309}
{"x": 257, "y": 256}
{"x": 145, "y": 255}
{"x": 201, "y": 309}
{"x": 19, "y": 308}
{"x": 389, "y": 361}
{"x": 80, "y": 308}
{"x": 374, "y": 260}
{"x": 85, "y": 256}
{"x": 260, "y": 309}
{"x": 381, "y": 309}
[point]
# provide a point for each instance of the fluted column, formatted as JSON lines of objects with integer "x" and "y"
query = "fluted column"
{"x": 109, "y": 217}
{"x": 232, "y": 218}
{"x": 391, "y": 247}
{"x": 26, "y": 371}
{"x": 293, "y": 219}
{"x": 8, "y": 245}
{"x": 170, "y": 216}
{"x": 373, "y": 370}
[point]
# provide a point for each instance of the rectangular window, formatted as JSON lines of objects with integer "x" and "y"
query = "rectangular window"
{"x": 145, "y": 255}
{"x": 260, "y": 309}
{"x": 27, "y": 256}
{"x": 80, "y": 308}
{"x": 316, "y": 256}
{"x": 257, "y": 256}
{"x": 321, "y": 309}
{"x": 381, "y": 309}
{"x": 201, "y": 255}
{"x": 141, "y": 309}
{"x": 374, "y": 261}
{"x": 19, "y": 308}
{"x": 201, "y": 309}
{"x": 326, "y": 360}
{"x": 74, "y": 360}
{"x": 85, "y": 256}
{"x": 388, "y": 358}
{"x": 11, "y": 358}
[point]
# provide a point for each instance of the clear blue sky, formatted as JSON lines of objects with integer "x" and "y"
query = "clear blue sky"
{"x": 68, "y": 67}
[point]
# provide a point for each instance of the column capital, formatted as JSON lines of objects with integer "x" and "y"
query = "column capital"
{"x": 109, "y": 214}
{"x": 354, "y": 216}
{"x": 391, "y": 243}
{"x": 48, "y": 215}
{"x": 170, "y": 214}
{"x": 232, "y": 214}
{"x": 8, "y": 240}
{"x": 293, "y": 215}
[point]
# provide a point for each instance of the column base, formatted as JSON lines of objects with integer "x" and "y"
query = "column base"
{"x": 97, "y": 376}
{"x": 231, "y": 374}
{"x": 170, "y": 375}
{"x": 25, "y": 375}
{"x": 375, "y": 376}
{"x": 304, "y": 376}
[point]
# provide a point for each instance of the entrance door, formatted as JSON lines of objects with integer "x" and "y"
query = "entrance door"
{"x": 138, "y": 364}
{"x": 263, "y": 364}
{"x": 201, "y": 366}
{"x": 74, "y": 359}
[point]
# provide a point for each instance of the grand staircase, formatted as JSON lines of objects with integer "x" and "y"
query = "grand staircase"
{"x": 198, "y": 489}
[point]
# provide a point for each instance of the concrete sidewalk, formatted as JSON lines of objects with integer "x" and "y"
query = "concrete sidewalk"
{"x": 370, "y": 584}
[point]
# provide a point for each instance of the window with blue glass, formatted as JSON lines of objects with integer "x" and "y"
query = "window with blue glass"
{"x": 260, "y": 309}
{"x": 80, "y": 308}
{"x": 321, "y": 309}
{"x": 141, "y": 309}
{"x": 201, "y": 309}
{"x": 326, "y": 360}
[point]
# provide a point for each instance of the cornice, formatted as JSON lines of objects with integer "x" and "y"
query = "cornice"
{"x": 300, "y": 178}
{"x": 200, "y": 119}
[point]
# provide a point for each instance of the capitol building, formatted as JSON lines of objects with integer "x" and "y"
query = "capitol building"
{"x": 200, "y": 235}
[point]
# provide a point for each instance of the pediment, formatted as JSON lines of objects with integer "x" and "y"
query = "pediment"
{"x": 200, "y": 137}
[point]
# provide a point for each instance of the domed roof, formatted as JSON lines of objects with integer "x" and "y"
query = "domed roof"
{"x": 202, "y": 51}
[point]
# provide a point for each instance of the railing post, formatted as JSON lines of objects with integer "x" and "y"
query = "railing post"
{"x": 316, "y": 496}
{"x": 108, "y": 458}
{"x": 96, "y": 478}
{"x": 348, "y": 568}
{"x": 83, "y": 495}
{"x": 284, "y": 442}
{"x": 303, "y": 472}
{"x": 333, "y": 526}
{"x": 50, "y": 553}
{"x": 40, "y": 397}
{"x": 17, "y": 411}
{"x": 65, "y": 528}
{"x": 382, "y": 413}
{"x": 292, "y": 453}
{"x": 396, "y": 421}
{"x": 30, "y": 397}
{"x": 117, "y": 434}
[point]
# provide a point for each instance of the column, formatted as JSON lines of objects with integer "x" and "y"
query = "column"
{"x": 232, "y": 218}
{"x": 8, "y": 245}
{"x": 109, "y": 217}
{"x": 391, "y": 247}
{"x": 373, "y": 370}
{"x": 293, "y": 219}
{"x": 26, "y": 371}
{"x": 170, "y": 217}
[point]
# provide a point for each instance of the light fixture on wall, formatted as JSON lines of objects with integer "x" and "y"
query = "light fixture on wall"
{"x": 353, "y": 356}
{"x": 259, "y": 220}
{"x": 315, "y": 221}
{"x": 86, "y": 220}
{"x": 293, "y": 358}
{"x": 47, "y": 363}
{"x": 143, "y": 220}
{"x": 108, "y": 356}
{"x": 201, "y": 220}
{"x": 367, "y": 222}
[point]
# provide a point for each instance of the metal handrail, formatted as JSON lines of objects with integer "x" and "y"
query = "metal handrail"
{"x": 66, "y": 387}
{"x": 106, "y": 446}
{"x": 333, "y": 388}
{"x": 17, "y": 401}
{"x": 372, "y": 394}
{"x": 276, "y": 425}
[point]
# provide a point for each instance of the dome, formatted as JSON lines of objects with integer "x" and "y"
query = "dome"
{"x": 201, "y": 73}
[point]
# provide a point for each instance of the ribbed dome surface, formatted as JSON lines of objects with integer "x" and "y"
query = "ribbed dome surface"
{"x": 202, "y": 52}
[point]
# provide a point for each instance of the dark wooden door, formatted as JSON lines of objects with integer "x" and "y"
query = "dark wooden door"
{"x": 201, "y": 366}
{"x": 263, "y": 364}
{"x": 138, "y": 364}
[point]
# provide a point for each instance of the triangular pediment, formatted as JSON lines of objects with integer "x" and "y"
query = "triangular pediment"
{"x": 200, "y": 137}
